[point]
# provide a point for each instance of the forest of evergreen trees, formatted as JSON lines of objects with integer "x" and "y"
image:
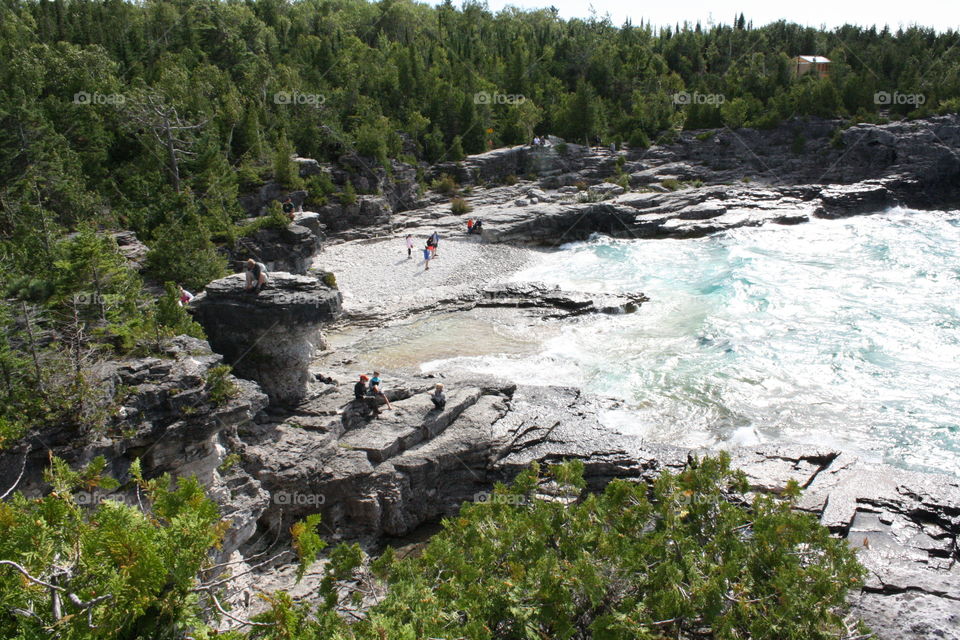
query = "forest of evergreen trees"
{"x": 120, "y": 112}
{"x": 153, "y": 116}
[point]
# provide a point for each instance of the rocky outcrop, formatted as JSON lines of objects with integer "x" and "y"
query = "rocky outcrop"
{"x": 290, "y": 249}
{"x": 412, "y": 465}
{"x": 706, "y": 182}
{"x": 256, "y": 204}
{"x": 270, "y": 336}
{"x": 809, "y": 151}
{"x": 533, "y": 298}
{"x": 162, "y": 415}
{"x": 398, "y": 186}
{"x": 498, "y": 165}
{"x": 367, "y": 211}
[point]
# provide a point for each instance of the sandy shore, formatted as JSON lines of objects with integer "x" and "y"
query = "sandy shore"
{"x": 375, "y": 274}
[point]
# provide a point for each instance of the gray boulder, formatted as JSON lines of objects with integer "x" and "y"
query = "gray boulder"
{"x": 269, "y": 337}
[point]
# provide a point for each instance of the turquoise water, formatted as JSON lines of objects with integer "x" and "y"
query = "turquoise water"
{"x": 843, "y": 333}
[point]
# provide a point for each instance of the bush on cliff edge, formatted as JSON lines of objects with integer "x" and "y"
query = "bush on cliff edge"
{"x": 690, "y": 557}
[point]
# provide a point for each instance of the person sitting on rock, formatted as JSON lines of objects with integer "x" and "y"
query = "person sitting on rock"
{"x": 360, "y": 388}
{"x": 478, "y": 226}
{"x": 288, "y": 208}
{"x": 375, "y": 390}
{"x": 470, "y": 225}
{"x": 368, "y": 403}
{"x": 438, "y": 399}
{"x": 256, "y": 273}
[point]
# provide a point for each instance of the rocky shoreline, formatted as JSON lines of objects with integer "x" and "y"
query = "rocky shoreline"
{"x": 291, "y": 441}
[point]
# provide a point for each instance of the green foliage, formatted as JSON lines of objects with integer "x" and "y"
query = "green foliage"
{"x": 456, "y": 153}
{"x": 445, "y": 185}
{"x": 92, "y": 275}
{"x": 249, "y": 179}
{"x": 229, "y": 462}
{"x": 330, "y": 280}
{"x": 542, "y": 557}
{"x": 275, "y": 219}
{"x": 285, "y": 170}
{"x": 459, "y": 206}
{"x": 836, "y": 138}
{"x": 799, "y": 144}
{"x": 132, "y": 572}
{"x": 671, "y": 184}
{"x": 173, "y": 317}
{"x": 349, "y": 195}
{"x": 220, "y": 388}
{"x": 182, "y": 250}
{"x": 307, "y": 542}
{"x": 320, "y": 187}
{"x": 685, "y": 558}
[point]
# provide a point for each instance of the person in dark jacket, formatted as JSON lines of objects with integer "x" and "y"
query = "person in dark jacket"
{"x": 438, "y": 398}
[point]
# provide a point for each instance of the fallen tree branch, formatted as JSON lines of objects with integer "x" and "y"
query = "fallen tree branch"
{"x": 23, "y": 467}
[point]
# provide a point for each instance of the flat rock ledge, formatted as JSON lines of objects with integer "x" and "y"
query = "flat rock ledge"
{"x": 270, "y": 336}
{"x": 387, "y": 475}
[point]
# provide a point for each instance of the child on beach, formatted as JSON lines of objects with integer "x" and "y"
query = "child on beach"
{"x": 409, "y": 246}
{"x": 426, "y": 258}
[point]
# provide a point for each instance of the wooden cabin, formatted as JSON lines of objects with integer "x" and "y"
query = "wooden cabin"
{"x": 802, "y": 65}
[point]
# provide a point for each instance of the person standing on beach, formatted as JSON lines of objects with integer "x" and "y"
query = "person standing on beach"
{"x": 409, "y": 246}
{"x": 426, "y": 258}
{"x": 436, "y": 242}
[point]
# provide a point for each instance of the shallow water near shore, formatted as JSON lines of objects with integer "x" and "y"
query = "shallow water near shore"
{"x": 841, "y": 333}
{"x": 407, "y": 346}
{"x": 836, "y": 332}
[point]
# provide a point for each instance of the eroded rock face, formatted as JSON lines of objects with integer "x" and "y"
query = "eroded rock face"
{"x": 290, "y": 249}
{"x": 269, "y": 337}
{"x": 165, "y": 418}
{"x": 387, "y": 475}
{"x": 705, "y": 182}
